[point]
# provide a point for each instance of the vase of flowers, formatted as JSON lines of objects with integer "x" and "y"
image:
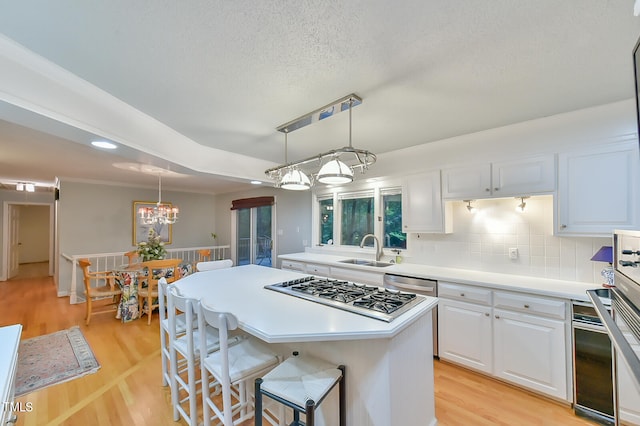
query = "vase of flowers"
{"x": 153, "y": 248}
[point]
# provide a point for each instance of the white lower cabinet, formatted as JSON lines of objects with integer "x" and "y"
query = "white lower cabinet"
{"x": 519, "y": 338}
{"x": 10, "y": 338}
{"x": 320, "y": 270}
{"x": 628, "y": 392}
{"x": 290, "y": 265}
{"x": 464, "y": 334}
{"x": 530, "y": 351}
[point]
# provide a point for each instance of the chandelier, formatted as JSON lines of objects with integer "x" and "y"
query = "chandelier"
{"x": 161, "y": 213}
{"x": 335, "y": 167}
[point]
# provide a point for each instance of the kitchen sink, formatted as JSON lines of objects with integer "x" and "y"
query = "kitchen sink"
{"x": 365, "y": 262}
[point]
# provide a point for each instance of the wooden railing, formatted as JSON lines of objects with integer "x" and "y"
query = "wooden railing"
{"x": 110, "y": 261}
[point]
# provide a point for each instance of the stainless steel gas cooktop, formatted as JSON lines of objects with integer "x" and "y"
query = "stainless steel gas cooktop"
{"x": 371, "y": 301}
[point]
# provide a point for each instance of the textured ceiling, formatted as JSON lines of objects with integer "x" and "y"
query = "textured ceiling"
{"x": 225, "y": 74}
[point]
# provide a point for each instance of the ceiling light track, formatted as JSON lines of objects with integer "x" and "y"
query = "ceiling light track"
{"x": 336, "y": 166}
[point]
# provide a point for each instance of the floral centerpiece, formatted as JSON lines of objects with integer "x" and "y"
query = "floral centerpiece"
{"x": 153, "y": 248}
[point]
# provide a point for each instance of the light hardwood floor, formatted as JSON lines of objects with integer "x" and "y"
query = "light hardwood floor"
{"x": 127, "y": 390}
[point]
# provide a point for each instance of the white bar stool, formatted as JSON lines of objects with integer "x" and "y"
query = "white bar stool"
{"x": 301, "y": 383}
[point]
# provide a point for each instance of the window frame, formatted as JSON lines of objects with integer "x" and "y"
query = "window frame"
{"x": 338, "y": 194}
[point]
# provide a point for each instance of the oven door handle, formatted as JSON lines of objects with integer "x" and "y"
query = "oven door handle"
{"x": 617, "y": 338}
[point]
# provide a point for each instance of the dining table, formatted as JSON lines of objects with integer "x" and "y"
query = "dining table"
{"x": 130, "y": 277}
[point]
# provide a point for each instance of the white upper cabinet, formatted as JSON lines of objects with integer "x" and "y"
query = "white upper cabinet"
{"x": 513, "y": 178}
{"x": 598, "y": 190}
{"x": 422, "y": 207}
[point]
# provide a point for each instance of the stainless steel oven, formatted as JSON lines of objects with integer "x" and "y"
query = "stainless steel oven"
{"x": 592, "y": 366}
{"x": 625, "y": 308}
{"x": 422, "y": 286}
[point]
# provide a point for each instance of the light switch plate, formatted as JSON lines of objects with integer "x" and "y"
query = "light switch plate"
{"x": 513, "y": 253}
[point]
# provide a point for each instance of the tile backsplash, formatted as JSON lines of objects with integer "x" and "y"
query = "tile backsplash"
{"x": 483, "y": 240}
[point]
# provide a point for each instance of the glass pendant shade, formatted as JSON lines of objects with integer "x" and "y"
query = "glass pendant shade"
{"x": 335, "y": 172}
{"x": 295, "y": 180}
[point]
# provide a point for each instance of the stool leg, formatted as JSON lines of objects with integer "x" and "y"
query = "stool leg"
{"x": 310, "y": 406}
{"x": 258, "y": 403}
{"x": 343, "y": 397}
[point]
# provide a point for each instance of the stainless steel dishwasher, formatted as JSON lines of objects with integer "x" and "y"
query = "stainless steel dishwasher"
{"x": 422, "y": 286}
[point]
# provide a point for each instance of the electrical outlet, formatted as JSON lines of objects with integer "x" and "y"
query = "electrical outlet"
{"x": 513, "y": 253}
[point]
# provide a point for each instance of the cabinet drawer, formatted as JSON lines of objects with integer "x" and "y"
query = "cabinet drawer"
{"x": 534, "y": 305}
{"x": 320, "y": 270}
{"x": 464, "y": 292}
{"x": 292, "y": 266}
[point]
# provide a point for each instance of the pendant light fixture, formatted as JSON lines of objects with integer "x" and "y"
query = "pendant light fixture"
{"x": 161, "y": 213}
{"x": 336, "y": 166}
{"x": 294, "y": 179}
{"x": 335, "y": 172}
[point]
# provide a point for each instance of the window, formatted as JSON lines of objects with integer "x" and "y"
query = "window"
{"x": 357, "y": 216}
{"x": 392, "y": 221}
{"x": 346, "y": 217}
{"x": 326, "y": 220}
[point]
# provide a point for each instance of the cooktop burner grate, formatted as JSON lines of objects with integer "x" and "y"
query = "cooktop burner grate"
{"x": 371, "y": 301}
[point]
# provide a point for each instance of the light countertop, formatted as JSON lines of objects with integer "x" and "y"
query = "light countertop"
{"x": 281, "y": 318}
{"x": 519, "y": 283}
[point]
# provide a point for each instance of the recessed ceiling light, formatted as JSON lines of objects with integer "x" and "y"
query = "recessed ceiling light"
{"x": 256, "y": 182}
{"x": 104, "y": 144}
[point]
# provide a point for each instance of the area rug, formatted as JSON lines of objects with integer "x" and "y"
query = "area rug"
{"x": 53, "y": 358}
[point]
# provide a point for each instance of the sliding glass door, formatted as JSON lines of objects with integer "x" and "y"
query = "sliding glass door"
{"x": 254, "y": 235}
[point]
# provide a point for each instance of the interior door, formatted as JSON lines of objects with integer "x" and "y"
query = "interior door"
{"x": 14, "y": 240}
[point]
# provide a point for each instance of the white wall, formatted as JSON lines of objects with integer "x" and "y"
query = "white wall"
{"x": 482, "y": 242}
{"x": 292, "y": 215}
{"x": 98, "y": 218}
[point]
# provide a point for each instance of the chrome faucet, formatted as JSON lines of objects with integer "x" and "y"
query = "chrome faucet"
{"x": 378, "y": 251}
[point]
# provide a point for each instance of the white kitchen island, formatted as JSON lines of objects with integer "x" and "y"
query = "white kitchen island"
{"x": 389, "y": 366}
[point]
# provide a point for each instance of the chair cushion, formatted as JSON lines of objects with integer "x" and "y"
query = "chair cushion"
{"x": 181, "y": 324}
{"x": 103, "y": 291}
{"x": 300, "y": 378}
{"x": 213, "y": 342}
{"x": 247, "y": 357}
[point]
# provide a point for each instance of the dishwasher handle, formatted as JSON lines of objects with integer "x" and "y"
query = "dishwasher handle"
{"x": 419, "y": 285}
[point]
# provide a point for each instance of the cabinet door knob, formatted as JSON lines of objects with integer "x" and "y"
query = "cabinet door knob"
{"x": 486, "y": 314}
{"x": 563, "y": 226}
{"x": 461, "y": 294}
{"x": 496, "y": 189}
{"x": 497, "y": 316}
{"x": 526, "y": 306}
{"x": 487, "y": 189}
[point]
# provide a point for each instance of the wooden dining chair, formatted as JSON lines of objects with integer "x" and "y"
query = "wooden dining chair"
{"x": 108, "y": 290}
{"x": 204, "y": 255}
{"x": 156, "y": 269}
{"x": 132, "y": 256}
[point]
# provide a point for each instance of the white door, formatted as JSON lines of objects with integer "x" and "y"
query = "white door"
{"x": 14, "y": 240}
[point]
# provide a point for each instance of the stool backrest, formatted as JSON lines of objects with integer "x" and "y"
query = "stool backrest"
{"x": 176, "y": 301}
{"x": 214, "y": 264}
